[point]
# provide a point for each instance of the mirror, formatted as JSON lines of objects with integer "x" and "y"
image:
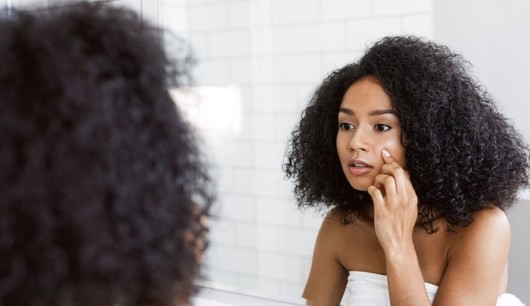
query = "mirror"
{"x": 260, "y": 60}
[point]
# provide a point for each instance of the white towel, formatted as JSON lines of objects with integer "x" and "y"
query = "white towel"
{"x": 508, "y": 299}
{"x": 371, "y": 289}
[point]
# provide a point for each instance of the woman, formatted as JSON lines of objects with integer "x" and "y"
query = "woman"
{"x": 417, "y": 166}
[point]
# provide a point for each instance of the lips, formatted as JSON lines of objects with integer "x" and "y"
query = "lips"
{"x": 359, "y": 167}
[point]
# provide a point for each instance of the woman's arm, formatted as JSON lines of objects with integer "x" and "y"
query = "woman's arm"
{"x": 395, "y": 213}
{"x": 475, "y": 261}
{"x": 327, "y": 278}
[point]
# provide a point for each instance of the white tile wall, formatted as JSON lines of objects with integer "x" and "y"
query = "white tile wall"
{"x": 274, "y": 265}
{"x": 420, "y": 25}
{"x": 321, "y": 37}
{"x": 283, "y": 40}
{"x": 231, "y": 43}
{"x": 335, "y": 60}
{"x": 173, "y": 15}
{"x": 297, "y": 68}
{"x": 262, "y": 72}
{"x": 401, "y": 7}
{"x": 346, "y": 10}
{"x": 239, "y": 14}
{"x": 207, "y": 17}
{"x": 295, "y": 11}
{"x": 260, "y": 13}
{"x": 363, "y": 32}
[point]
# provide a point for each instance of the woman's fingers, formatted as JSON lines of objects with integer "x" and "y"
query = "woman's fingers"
{"x": 394, "y": 183}
{"x": 392, "y": 168}
{"x": 388, "y": 183}
{"x": 395, "y": 203}
{"x": 376, "y": 194}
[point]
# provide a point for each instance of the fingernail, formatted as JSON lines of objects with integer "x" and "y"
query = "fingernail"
{"x": 386, "y": 153}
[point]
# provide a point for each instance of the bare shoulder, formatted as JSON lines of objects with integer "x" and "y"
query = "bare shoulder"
{"x": 476, "y": 261}
{"x": 354, "y": 243}
{"x": 346, "y": 236}
{"x": 333, "y": 218}
{"x": 327, "y": 277}
{"x": 333, "y": 228}
{"x": 490, "y": 229}
{"x": 492, "y": 216}
{"x": 486, "y": 222}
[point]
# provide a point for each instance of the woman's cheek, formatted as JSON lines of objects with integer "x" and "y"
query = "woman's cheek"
{"x": 397, "y": 151}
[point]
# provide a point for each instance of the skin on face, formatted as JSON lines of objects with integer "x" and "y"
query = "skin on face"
{"x": 367, "y": 124}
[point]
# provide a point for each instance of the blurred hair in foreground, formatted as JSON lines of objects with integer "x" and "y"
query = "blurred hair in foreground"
{"x": 102, "y": 183}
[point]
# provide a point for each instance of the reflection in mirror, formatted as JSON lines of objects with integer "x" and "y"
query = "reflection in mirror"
{"x": 259, "y": 61}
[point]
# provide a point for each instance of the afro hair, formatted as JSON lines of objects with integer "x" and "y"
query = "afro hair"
{"x": 103, "y": 185}
{"x": 463, "y": 154}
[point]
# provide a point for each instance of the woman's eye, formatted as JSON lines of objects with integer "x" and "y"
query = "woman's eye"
{"x": 381, "y": 127}
{"x": 346, "y": 126}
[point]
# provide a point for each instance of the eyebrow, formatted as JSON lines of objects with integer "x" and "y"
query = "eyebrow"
{"x": 378, "y": 112}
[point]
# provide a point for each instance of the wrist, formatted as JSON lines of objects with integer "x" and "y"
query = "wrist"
{"x": 400, "y": 250}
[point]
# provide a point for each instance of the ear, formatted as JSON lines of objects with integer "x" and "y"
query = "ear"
{"x": 404, "y": 139}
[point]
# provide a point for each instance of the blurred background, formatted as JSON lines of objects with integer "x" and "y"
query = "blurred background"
{"x": 258, "y": 63}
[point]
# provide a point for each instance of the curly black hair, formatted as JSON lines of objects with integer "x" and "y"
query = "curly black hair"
{"x": 463, "y": 155}
{"x": 102, "y": 182}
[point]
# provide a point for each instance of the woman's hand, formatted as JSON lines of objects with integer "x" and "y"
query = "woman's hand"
{"x": 395, "y": 205}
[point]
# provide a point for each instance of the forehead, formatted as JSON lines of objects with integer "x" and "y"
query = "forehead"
{"x": 366, "y": 93}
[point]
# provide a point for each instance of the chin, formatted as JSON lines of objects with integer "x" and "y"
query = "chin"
{"x": 360, "y": 186}
{"x": 360, "y": 183}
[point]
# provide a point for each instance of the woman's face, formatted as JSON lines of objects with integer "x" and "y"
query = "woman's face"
{"x": 367, "y": 125}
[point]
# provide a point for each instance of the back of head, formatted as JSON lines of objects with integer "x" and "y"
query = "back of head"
{"x": 102, "y": 186}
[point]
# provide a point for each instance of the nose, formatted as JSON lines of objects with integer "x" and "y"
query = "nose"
{"x": 359, "y": 140}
